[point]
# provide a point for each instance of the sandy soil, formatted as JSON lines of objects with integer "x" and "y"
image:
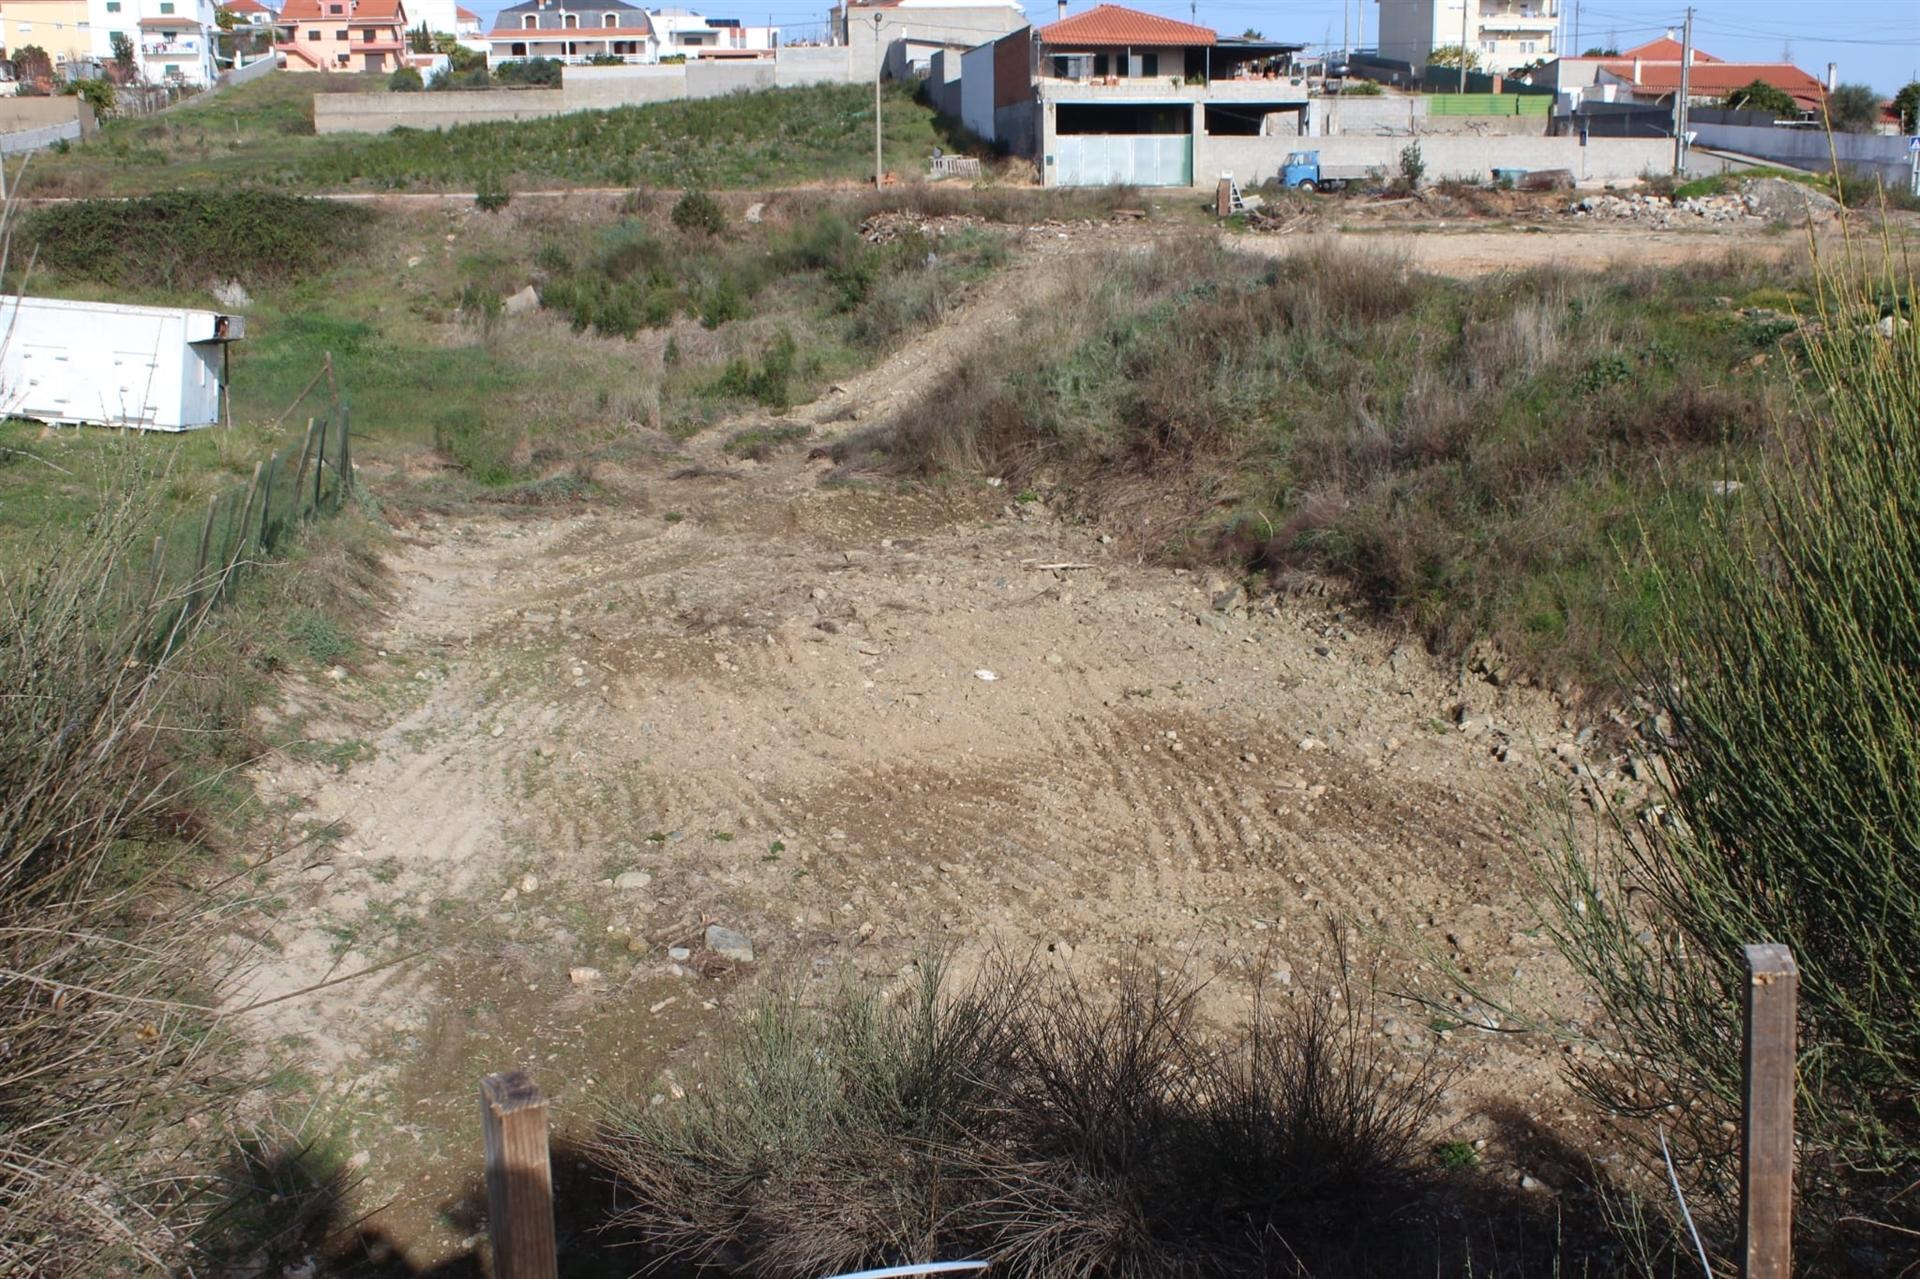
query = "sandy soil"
{"x": 856, "y": 724}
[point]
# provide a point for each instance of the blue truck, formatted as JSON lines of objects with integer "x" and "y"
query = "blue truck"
{"x": 1304, "y": 172}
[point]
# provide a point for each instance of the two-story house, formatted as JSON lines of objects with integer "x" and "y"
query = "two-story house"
{"x": 172, "y": 40}
{"x": 682, "y": 31}
{"x": 1114, "y": 96}
{"x": 343, "y": 35}
{"x": 573, "y": 31}
{"x": 63, "y": 28}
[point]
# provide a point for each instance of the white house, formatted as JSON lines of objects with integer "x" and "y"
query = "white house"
{"x": 683, "y": 31}
{"x": 908, "y": 32}
{"x": 1505, "y": 34}
{"x": 173, "y": 40}
{"x": 152, "y": 367}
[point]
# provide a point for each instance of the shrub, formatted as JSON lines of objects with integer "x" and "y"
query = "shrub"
{"x": 490, "y": 193}
{"x": 698, "y": 211}
{"x": 102, "y": 947}
{"x": 477, "y": 445}
{"x": 769, "y": 381}
{"x": 405, "y": 80}
{"x": 1853, "y": 108}
{"x": 1035, "y": 1124}
{"x": 542, "y": 72}
{"x": 1790, "y": 739}
{"x": 1413, "y": 166}
{"x": 186, "y": 239}
{"x": 98, "y": 93}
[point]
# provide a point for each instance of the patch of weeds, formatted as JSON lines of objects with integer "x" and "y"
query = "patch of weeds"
{"x": 1456, "y": 1156}
{"x": 322, "y": 639}
{"x": 673, "y": 517}
{"x": 759, "y": 442}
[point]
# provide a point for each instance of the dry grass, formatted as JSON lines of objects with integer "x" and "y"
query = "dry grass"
{"x": 1058, "y": 1130}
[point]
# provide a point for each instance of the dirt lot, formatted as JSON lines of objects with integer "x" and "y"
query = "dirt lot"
{"x": 854, "y": 724}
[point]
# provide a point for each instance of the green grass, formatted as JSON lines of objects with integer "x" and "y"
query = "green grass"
{"x": 262, "y": 134}
{"x": 1477, "y": 460}
{"x": 1728, "y": 183}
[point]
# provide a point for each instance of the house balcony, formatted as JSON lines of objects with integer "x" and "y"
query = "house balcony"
{"x": 1172, "y": 89}
{"x": 1528, "y": 20}
{"x": 170, "y": 49}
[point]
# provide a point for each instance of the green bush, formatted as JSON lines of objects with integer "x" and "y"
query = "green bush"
{"x": 405, "y": 80}
{"x": 698, "y": 211}
{"x": 543, "y": 72}
{"x": 1789, "y": 735}
{"x": 490, "y": 193}
{"x": 186, "y": 239}
{"x": 480, "y": 447}
{"x": 768, "y": 381}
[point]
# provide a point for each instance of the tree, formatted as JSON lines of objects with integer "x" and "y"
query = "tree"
{"x": 1853, "y": 108}
{"x": 224, "y": 19}
{"x": 1251, "y": 34}
{"x": 123, "y": 52}
{"x": 405, "y": 80}
{"x": 1906, "y": 105}
{"x": 31, "y": 63}
{"x": 1601, "y": 53}
{"x": 1449, "y": 55}
{"x": 420, "y": 40}
{"x": 98, "y": 93}
{"x": 1761, "y": 96}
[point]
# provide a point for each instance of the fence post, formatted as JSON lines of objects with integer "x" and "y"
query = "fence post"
{"x": 300, "y": 473}
{"x": 319, "y": 465}
{"x": 1766, "y": 1124}
{"x": 513, "y": 1120}
{"x": 266, "y": 505}
{"x": 345, "y": 463}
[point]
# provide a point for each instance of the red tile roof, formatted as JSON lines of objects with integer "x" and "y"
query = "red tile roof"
{"x": 175, "y": 23}
{"x": 1107, "y": 26}
{"x": 1717, "y": 79}
{"x": 365, "y": 11}
{"x": 465, "y": 15}
{"x": 553, "y": 35}
{"x": 1665, "y": 49}
{"x": 245, "y": 6}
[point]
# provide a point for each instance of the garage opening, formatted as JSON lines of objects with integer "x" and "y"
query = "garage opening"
{"x": 1254, "y": 119}
{"x": 1126, "y": 117}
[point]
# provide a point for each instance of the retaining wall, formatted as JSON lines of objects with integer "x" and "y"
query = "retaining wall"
{"x": 34, "y": 124}
{"x": 583, "y": 88}
{"x": 1808, "y": 149}
{"x": 1255, "y": 160}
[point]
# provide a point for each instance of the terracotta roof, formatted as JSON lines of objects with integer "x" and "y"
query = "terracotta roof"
{"x": 1666, "y": 49}
{"x": 174, "y": 23}
{"x": 1107, "y": 26}
{"x": 553, "y": 35}
{"x": 376, "y": 11}
{"x": 245, "y": 6}
{"x": 1717, "y": 79}
{"x": 465, "y": 15}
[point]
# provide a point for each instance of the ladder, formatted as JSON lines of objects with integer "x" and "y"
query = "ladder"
{"x": 1228, "y": 201}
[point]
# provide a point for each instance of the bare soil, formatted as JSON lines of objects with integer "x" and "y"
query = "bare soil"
{"x": 858, "y": 724}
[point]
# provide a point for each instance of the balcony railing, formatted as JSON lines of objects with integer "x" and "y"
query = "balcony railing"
{"x": 169, "y": 48}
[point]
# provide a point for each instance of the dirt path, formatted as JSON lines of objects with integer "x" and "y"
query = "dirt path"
{"x": 853, "y": 726}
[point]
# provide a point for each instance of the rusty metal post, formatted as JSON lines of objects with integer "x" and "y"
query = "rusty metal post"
{"x": 1768, "y": 1006}
{"x": 513, "y": 1119}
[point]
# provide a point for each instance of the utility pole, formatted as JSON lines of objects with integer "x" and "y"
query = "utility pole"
{"x": 1680, "y": 103}
{"x": 879, "y": 57}
{"x": 1463, "y": 43}
{"x": 1346, "y": 33}
{"x": 1576, "y": 50}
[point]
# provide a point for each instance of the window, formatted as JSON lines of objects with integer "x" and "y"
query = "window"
{"x": 312, "y": 34}
{"x": 166, "y": 6}
{"x": 341, "y": 34}
{"x": 173, "y": 71}
{"x": 334, "y": 9}
{"x": 113, "y": 6}
{"x": 608, "y": 20}
{"x": 529, "y": 22}
{"x": 1149, "y": 64}
{"x": 569, "y": 20}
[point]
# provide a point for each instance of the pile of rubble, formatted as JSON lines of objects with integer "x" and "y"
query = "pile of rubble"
{"x": 891, "y": 225}
{"x": 1660, "y": 211}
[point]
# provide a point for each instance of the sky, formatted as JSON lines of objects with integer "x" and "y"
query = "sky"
{"x": 1875, "y": 42}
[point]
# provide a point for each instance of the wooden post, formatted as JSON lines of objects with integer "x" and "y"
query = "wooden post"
{"x": 266, "y": 504}
{"x": 1766, "y": 1126}
{"x": 1223, "y": 198}
{"x": 319, "y": 465}
{"x": 345, "y": 463}
{"x": 300, "y": 472}
{"x": 513, "y": 1118}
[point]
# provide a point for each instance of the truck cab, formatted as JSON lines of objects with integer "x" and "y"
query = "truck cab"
{"x": 1301, "y": 171}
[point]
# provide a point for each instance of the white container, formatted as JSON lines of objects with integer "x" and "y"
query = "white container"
{"x": 154, "y": 368}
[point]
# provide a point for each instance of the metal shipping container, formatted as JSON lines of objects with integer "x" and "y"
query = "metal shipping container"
{"x": 155, "y": 368}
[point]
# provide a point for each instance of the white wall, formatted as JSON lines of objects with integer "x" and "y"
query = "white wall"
{"x": 1253, "y": 160}
{"x": 976, "y": 91}
{"x": 1807, "y": 149}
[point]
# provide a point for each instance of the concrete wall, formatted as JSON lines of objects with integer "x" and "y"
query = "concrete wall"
{"x": 18, "y": 141}
{"x": 943, "y": 82}
{"x": 583, "y": 88}
{"x": 958, "y": 27}
{"x": 1254, "y": 160}
{"x": 717, "y": 79}
{"x": 379, "y": 112}
{"x": 976, "y": 92}
{"x": 600, "y": 88}
{"x": 1807, "y": 149}
{"x": 798, "y": 65}
{"x": 263, "y": 65}
{"x": 17, "y": 114}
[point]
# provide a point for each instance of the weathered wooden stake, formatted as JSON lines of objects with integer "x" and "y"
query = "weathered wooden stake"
{"x": 266, "y": 505}
{"x": 513, "y": 1117}
{"x": 1766, "y": 1133}
{"x": 345, "y": 464}
{"x": 319, "y": 466}
{"x": 300, "y": 472}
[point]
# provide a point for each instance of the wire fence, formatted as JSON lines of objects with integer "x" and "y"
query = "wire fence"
{"x": 247, "y": 524}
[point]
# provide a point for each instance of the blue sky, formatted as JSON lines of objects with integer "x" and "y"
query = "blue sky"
{"x": 1875, "y": 42}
